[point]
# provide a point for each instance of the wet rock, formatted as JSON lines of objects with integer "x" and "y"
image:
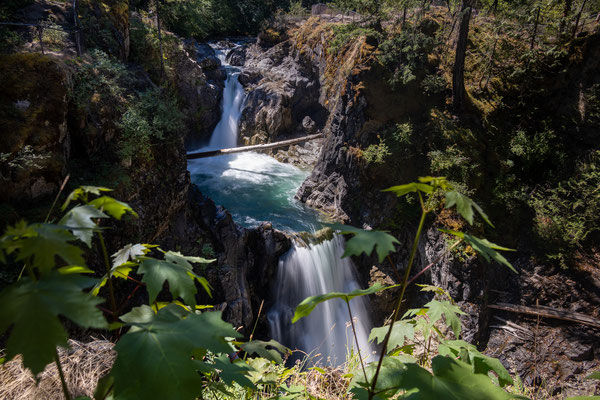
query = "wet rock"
{"x": 309, "y": 125}
{"x": 237, "y": 56}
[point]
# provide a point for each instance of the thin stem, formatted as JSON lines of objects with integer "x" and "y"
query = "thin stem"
{"x": 62, "y": 376}
{"x": 399, "y": 303}
{"x": 62, "y": 187}
{"x": 111, "y": 289}
{"x": 362, "y": 364}
{"x": 255, "y": 324}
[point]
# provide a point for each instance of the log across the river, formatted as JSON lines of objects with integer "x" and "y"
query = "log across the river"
{"x": 258, "y": 147}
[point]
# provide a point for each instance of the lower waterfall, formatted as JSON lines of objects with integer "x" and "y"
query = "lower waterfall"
{"x": 326, "y": 334}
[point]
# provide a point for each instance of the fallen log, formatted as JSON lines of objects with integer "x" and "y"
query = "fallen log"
{"x": 258, "y": 147}
{"x": 548, "y": 312}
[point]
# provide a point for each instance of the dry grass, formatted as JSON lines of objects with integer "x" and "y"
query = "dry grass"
{"x": 83, "y": 364}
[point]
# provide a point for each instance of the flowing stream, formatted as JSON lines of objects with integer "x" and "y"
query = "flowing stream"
{"x": 256, "y": 188}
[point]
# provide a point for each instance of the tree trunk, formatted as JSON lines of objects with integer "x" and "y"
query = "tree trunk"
{"x": 404, "y": 15}
{"x": 578, "y": 19}
{"x": 566, "y": 11}
{"x": 160, "y": 44}
{"x": 535, "y": 26}
{"x": 458, "y": 72}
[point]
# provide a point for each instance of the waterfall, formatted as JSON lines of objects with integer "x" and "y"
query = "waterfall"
{"x": 256, "y": 188}
{"x": 226, "y": 132}
{"x": 326, "y": 334}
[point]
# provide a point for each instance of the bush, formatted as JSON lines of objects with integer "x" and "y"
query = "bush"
{"x": 568, "y": 214}
{"x": 149, "y": 118}
{"x": 344, "y": 34}
{"x": 405, "y": 56}
{"x": 376, "y": 153}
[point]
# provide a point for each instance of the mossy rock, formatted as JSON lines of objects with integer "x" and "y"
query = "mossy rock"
{"x": 33, "y": 127}
{"x": 106, "y": 26}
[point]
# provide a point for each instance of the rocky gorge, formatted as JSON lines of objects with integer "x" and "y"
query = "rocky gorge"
{"x": 294, "y": 86}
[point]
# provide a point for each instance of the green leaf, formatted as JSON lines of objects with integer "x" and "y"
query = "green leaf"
{"x": 365, "y": 241}
{"x": 74, "y": 269}
{"x": 79, "y": 221}
{"x": 184, "y": 261}
{"x": 410, "y": 188}
{"x": 81, "y": 194}
{"x": 451, "y": 380}
{"x": 450, "y": 312}
{"x": 231, "y": 372}
{"x": 46, "y": 242}
{"x": 104, "y": 388}
{"x": 271, "y": 350}
{"x": 112, "y": 207}
{"x": 464, "y": 206}
{"x": 401, "y": 330}
{"x": 32, "y": 309}
{"x": 389, "y": 380}
{"x": 129, "y": 252}
{"x": 155, "y": 360}
{"x": 308, "y": 305}
{"x": 481, "y": 363}
{"x": 122, "y": 272}
{"x": 262, "y": 371}
{"x": 180, "y": 278}
{"x": 484, "y": 247}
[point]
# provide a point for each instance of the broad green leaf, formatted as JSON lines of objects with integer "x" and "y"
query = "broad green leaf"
{"x": 389, "y": 380}
{"x": 263, "y": 371}
{"x": 480, "y": 363}
{"x": 155, "y": 360}
{"x": 451, "y": 380}
{"x": 308, "y": 305}
{"x": 180, "y": 278}
{"x": 365, "y": 241}
{"x": 81, "y": 194}
{"x": 271, "y": 350}
{"x": 484, "y": 247}
{"x": 45, "y": 243}
{"x": 436, "y": 182}
{"x": 593, "y": 375}
{"x": 112, "y": 207}
{"x": 104, "y": 388}
{"x": 465, "y": 206}
{"x": 79, "y": 221}
{"x": 129, "y": 252}
{"x": 436, "y": 289}
{"x": 402, "y": 330}
{"x": 231, "y": 372}
{"x": 185, "y": 261}
{"x": 74, "y": 269}
{"x": 450, "y": 312}
{"x": 402, "y": 190}
{"x": 32, "y": 309}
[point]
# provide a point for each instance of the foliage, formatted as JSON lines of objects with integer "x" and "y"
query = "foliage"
{"x": 405, "y": 56}
{"x": 149, "y": 118}
{"x": 348, "y": 33}
{"x": 376, "y": 153}
{"x": 395, "y": 374}
{"x": 53, "y": 34}
{"x": 171, "y": 350}
{"x": 569, "y": 213}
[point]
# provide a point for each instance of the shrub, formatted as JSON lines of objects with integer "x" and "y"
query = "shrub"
{"x": 149, "y": 118}
{"x": 405, "y": 56}
{"x": 376, "y": 153}
{"x": 344, "y": 34}
{"x": 568, "y": 214}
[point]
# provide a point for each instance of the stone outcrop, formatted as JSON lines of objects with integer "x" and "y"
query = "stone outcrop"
{"x": 35, "y": 142}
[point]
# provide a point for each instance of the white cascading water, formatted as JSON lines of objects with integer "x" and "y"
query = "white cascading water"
{"x": 254, "y": 188}
{"x": 225, "y": 134}
{"x": 326, "y": 334}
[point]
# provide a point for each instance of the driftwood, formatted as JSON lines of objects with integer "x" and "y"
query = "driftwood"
{"x": 548, "y": 312}
{"x": 258, "y": 147}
